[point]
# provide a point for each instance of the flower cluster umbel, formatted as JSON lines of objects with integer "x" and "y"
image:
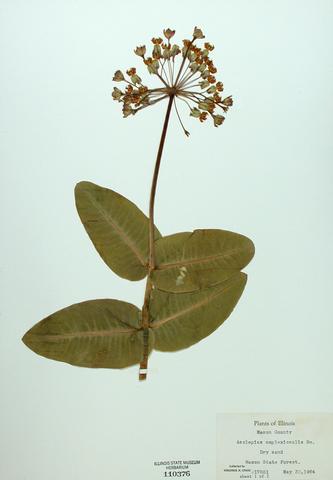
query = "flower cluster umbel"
{"x": 193, "y": 82}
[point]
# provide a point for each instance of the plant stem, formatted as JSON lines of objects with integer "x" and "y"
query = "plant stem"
{"x": 151, "y": 258}
{"x": 151, "y": 255}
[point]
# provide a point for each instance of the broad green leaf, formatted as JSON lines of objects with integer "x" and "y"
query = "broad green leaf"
{"x": 117, "y": 228}
{"x": 190, "y": 261}
{"x": 96, "y": 333}
{"x": 180, "y": 320}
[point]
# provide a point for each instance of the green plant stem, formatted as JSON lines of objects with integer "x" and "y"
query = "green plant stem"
{"x": 151, "y": 256}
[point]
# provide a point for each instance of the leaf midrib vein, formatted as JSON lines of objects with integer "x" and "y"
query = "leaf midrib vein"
{"x": 192, "y": 307}
{"x": 89, "y": 334}
{"x": 167, "y": 266}
{"x": 118, "y": 229}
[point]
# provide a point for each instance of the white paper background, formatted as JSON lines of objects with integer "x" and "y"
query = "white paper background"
{"x": 266, "y": 173}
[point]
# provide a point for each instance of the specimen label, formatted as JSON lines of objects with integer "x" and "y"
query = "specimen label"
{"x": 274, "y": 446}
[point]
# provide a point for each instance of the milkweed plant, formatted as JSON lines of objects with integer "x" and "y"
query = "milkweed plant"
{"x": 194, "y": 279}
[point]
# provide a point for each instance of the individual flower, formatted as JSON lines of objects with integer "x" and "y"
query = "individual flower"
{"x": 117, "y": 94}
{"x": 118, "y": 76}
{"x": 218, "y": 120}
{"x": 203, "y": 116}
{"x": 195, "y": 112}
{"x": 209, "y": 46}
{"x": 168, "y": 33}
{"x": 140, "y": 51}
{"x": 157, "y": 41}
{"x": 197, "y": 33}
{"x": 186, "y": 73}
{"x": 219, "y": 86}
{"x": 157, "y": 51}
{"x": 227, "y": 101}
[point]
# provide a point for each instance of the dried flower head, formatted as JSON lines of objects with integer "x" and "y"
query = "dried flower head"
{"x": 191, "y": 80}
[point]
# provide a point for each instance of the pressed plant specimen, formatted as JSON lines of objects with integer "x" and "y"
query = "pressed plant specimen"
{"x": 194, "y": 279}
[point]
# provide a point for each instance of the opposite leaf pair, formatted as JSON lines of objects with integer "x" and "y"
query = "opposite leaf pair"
{"x": 196, "y": 284}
